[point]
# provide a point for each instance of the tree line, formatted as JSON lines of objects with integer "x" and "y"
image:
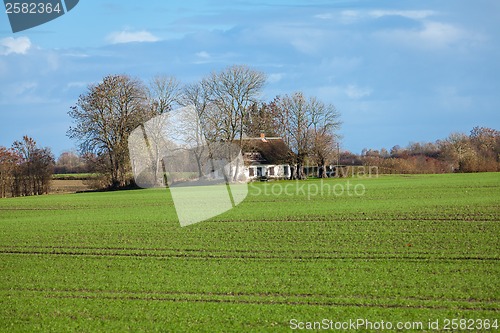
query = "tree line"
{"x": 478, "y": 151}
{"x": 25, "y": 169}
{"x": 227, "y": 103}
{"x": 229, "y": 106}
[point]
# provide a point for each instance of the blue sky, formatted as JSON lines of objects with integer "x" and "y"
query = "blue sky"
{"x": 397, "y": 71}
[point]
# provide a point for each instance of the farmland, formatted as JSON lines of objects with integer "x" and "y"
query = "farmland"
{"x": 411, "y": 248}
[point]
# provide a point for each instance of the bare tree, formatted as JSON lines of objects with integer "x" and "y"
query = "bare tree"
{"x": 9, "y": 162}
{"x": 36, "y": 165}
{"x": 325, "y": 123}
{"x": 197, "y": 123}
{"x": 164, "y": 93}
{"x": 231, "y": 93}
{"x": 308, "y": 126}
{"x": 458, "y": 151}
{"x": 486, "y": 142}
{"x": 104, "y": 118}
{"x": 70, "y": 162}
{"x": 261, "y": 118}
{"x": 323, "y": 150}
{"x": 202, "y": 129}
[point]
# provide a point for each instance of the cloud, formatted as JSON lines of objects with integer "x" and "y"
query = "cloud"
{"x": 353, "y": 16}
{"x": 421, "y": 29}
{"x": 411, "y": 14}
{"x": 345, "y": 16}
{"x": 440, "y": 33}
{"x": 431, "y": 35}
{"x": 10, "y": 45}
{"x": 123, "y": 37}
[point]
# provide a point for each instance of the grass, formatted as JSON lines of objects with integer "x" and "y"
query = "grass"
{"x": 412, "y": 248}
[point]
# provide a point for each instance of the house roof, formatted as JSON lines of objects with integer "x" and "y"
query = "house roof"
{"x": 271, "y": 150}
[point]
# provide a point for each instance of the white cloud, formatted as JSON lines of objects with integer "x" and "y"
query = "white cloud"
{"x": 122, "y": 37}
{"x": 345, "y": 16}
{"x": 411, "y": 14}
{"x": 432, "y": 35}
{"x": 353, "y": 16}
{"x": 440, "y": 33}
{"x": 10, "y": 45}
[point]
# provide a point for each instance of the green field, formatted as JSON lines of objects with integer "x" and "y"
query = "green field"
{"x": 411, "y": 249}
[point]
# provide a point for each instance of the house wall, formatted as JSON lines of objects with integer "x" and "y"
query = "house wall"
{"x": 280, "y": 171}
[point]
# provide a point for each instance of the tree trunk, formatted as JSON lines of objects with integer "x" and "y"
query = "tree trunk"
{"x": 322, "y": 168}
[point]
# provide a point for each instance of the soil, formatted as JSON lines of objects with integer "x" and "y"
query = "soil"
{"x": 67, "y": 186}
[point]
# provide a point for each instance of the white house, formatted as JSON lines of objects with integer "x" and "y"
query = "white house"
{"x": 266, "y": 158}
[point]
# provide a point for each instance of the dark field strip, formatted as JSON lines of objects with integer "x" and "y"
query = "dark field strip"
{"x": 264, "y": 299}
{"x": 465, "y": 219}
{"x": 69, "y": 208}
{"x": 158, "y": 251}
{"x": 242, "y": 294}
{"x": 422, "y": 256}
{"x": 489, "y": 214}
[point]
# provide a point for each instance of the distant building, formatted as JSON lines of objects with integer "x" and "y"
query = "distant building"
{"x": 266, "y": 158}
